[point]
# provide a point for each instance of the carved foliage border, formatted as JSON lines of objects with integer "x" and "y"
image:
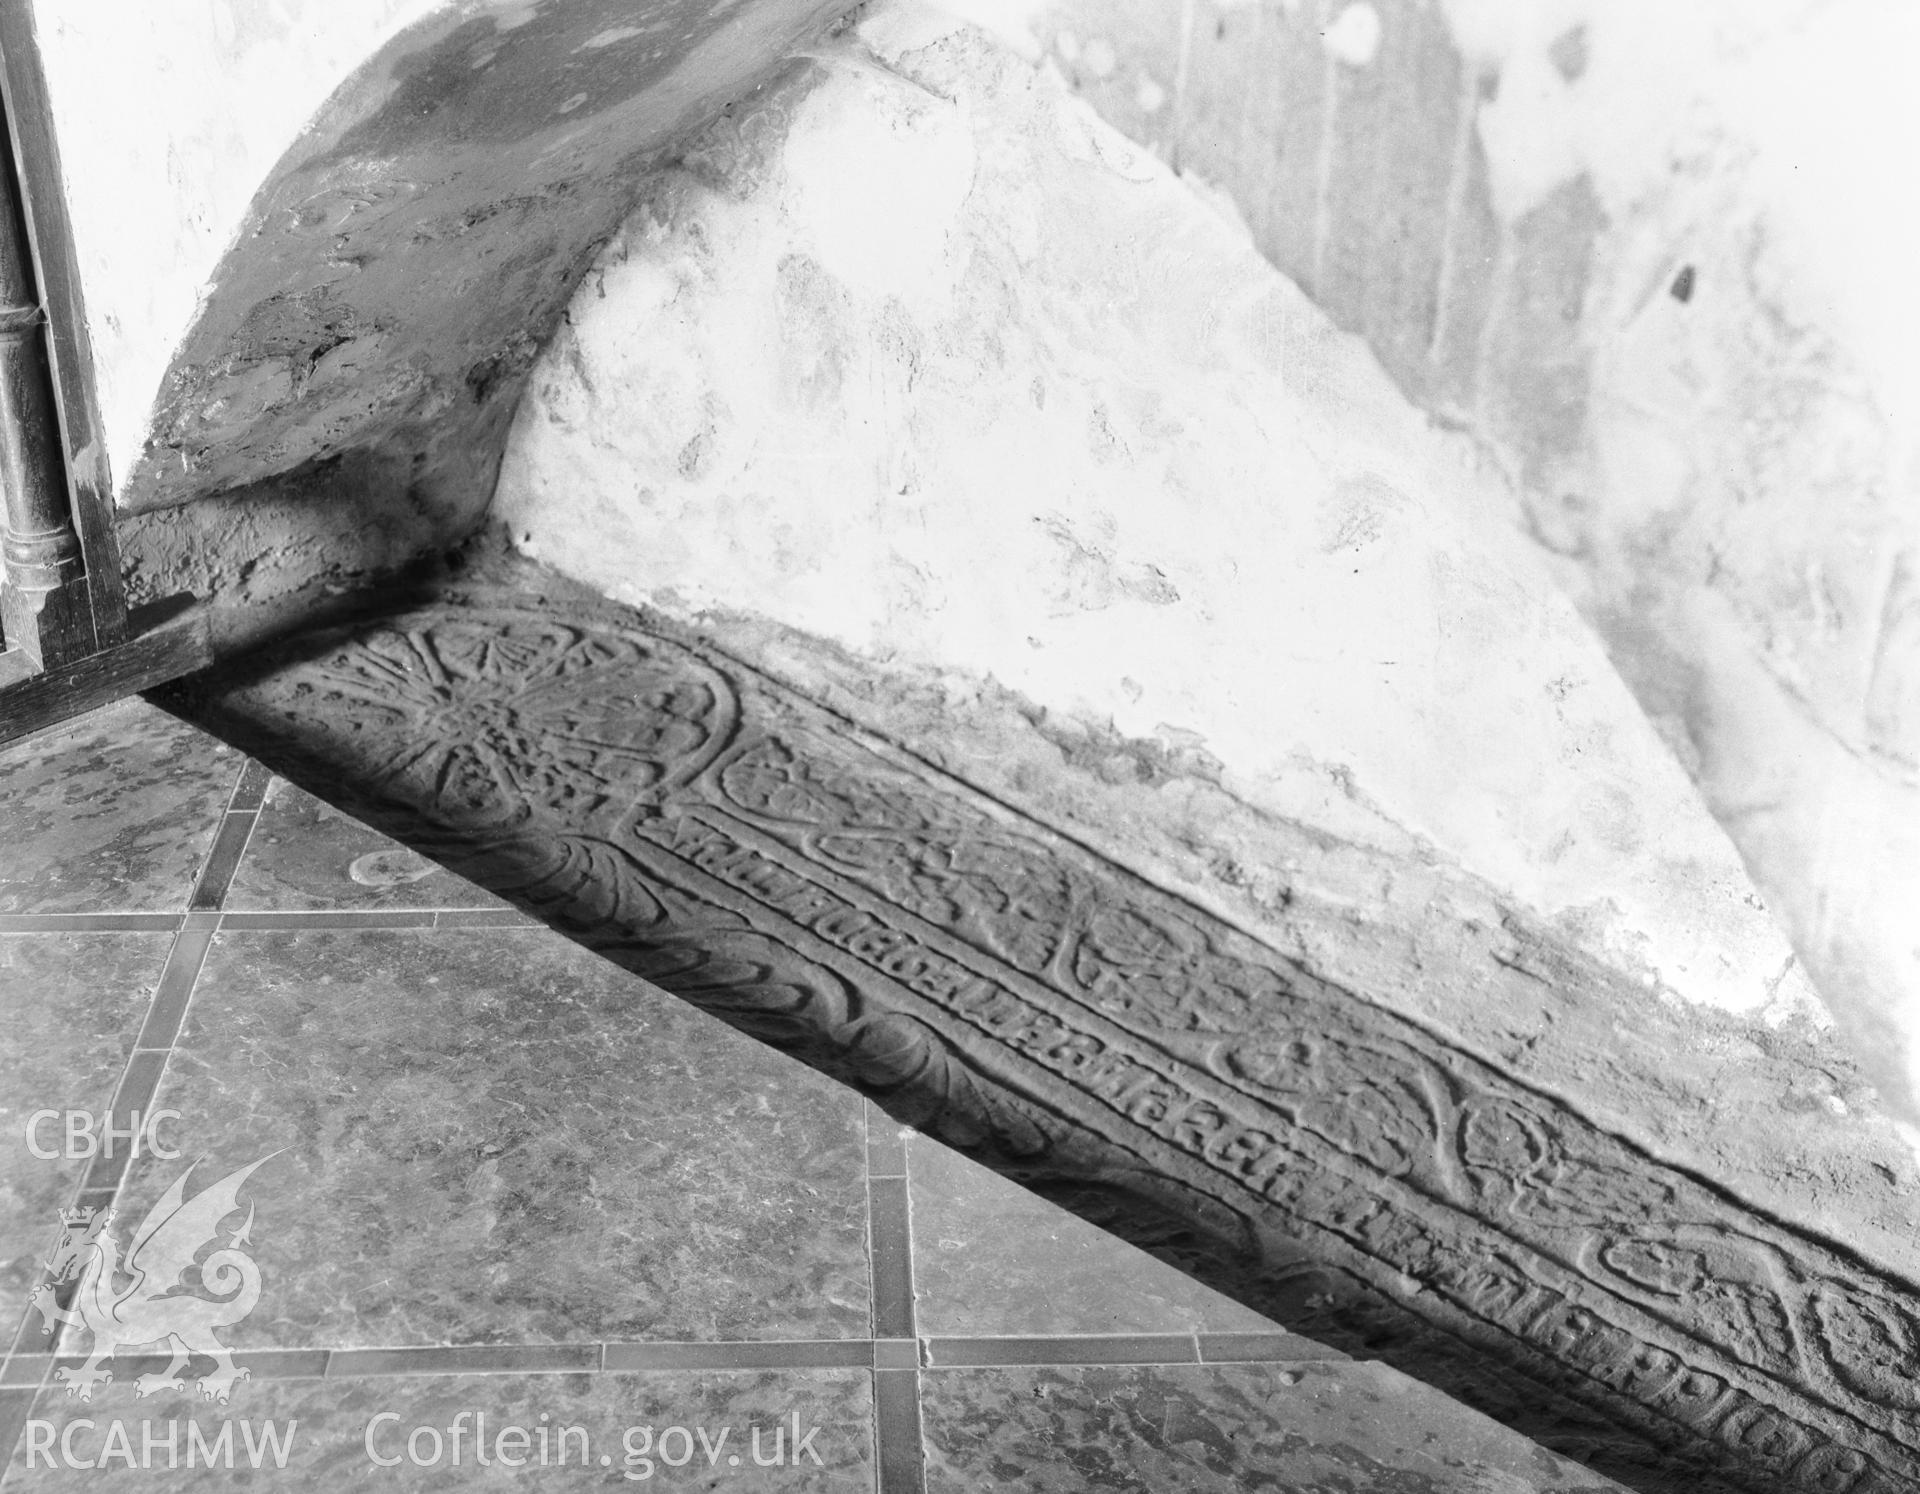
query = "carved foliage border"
{"x": 729, "y": 837}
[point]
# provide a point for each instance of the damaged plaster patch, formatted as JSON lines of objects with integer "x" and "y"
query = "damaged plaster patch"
{"x": 879, "y": 206}
{"x": 1090, "y": 577}
{"x": 1354, "y": 37}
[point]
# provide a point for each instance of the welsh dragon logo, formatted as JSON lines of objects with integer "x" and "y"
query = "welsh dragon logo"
{"x": 155, "y": 1304}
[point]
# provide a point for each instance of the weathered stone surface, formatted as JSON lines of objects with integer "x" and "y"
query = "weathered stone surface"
{"x": 1218, "y": 1430}
{"x": 1369, "y": 1182}
{"x": 113, "y": 812}
{"x": 486, "y": 1140}
{"x": 71, "y": 1007}
{"x": 991, "y": 1258}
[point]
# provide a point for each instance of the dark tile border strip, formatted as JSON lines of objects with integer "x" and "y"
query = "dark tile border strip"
{"x": 899, "y": 1453}
{"x": 896, "y": 1424}
{"x": 371, "y": 918}
{"x": 1124, "y": 1348}
{"x": 29, "y": 1362}
{"x": 892, "y": 1253}
{"x": 850, "y": 1353}
{"x": 1265, "y": 1348}
{"x": 25, "y": 1370}
{"x": 139, "y": 1083}
{"x": 230, "y": 842}
{"x": 286, "y": 1364}
{"x": 484, "y": 918}
{"x": 228, "y": 847}
{"x": 170, "y": 997}
{"x": 379, "y": 918}
{"x": 250, "y": 793}
{"x": 465, "y": 1359}
{"x": 886, "y": 1144}
{"x": 31, "y": 1370}
{"x": 89, "y": 923}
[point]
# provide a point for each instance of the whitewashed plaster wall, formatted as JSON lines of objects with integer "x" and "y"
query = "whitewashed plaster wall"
{"x": 1740, "y": 511}
{"x": 1657, "y": 259}
{"x": 320, "y": 245}
{"x": 922, "y": 357}
{"x": 187, "y": 107}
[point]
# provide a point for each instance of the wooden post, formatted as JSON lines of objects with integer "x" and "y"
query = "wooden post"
{"x": 44, "y": 599}
{"x": 67, "y": 642}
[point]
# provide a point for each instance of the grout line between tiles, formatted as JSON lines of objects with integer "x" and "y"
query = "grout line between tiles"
{"x": 89, "y": 923}
{"x": 287, "y": 919}
{"x": 1277, "y": 1347}
{"x": 229, "y": 845}
{"x": 174, "y": 989}
{"x": 677, "y": 1355}
{"x": 484, "y": 918}
{"x": 759, "y": 1354}
{"x": 242, "y": 813}
{"x": 28, "y": 1368}
{"x": 466, "y": 1359}
{"x": 328, "y": 918}
{"x": 886, "y": 1144}
{"x": 957, "y": 1351}
{"x": 889, "y": 1227}
{"x": 890, "y": 1233}
{"x": 139, "y": 1083}
{"x": 250, "y": 790}
{"x": 899, "y": 1452}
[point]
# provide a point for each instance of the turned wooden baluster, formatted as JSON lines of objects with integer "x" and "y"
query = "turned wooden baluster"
{"x": 41, "y": 608}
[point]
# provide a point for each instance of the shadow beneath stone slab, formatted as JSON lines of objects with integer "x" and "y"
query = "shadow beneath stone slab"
{"x": 1153, "y": 1069}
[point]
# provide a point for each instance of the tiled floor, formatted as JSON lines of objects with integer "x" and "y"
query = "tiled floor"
{"x": 493, "y": 1181}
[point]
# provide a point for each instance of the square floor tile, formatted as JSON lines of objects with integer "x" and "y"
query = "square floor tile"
{"x": 306, "y": 855}
{"x": 494, "y": 1136}
{"x": 111, "y": 813}
{"x": 671, "y": 1431}
{"x": 1203, "y": 1430}
{"x": 71, "y": 1006}
{"x": 991, "y": 1258}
